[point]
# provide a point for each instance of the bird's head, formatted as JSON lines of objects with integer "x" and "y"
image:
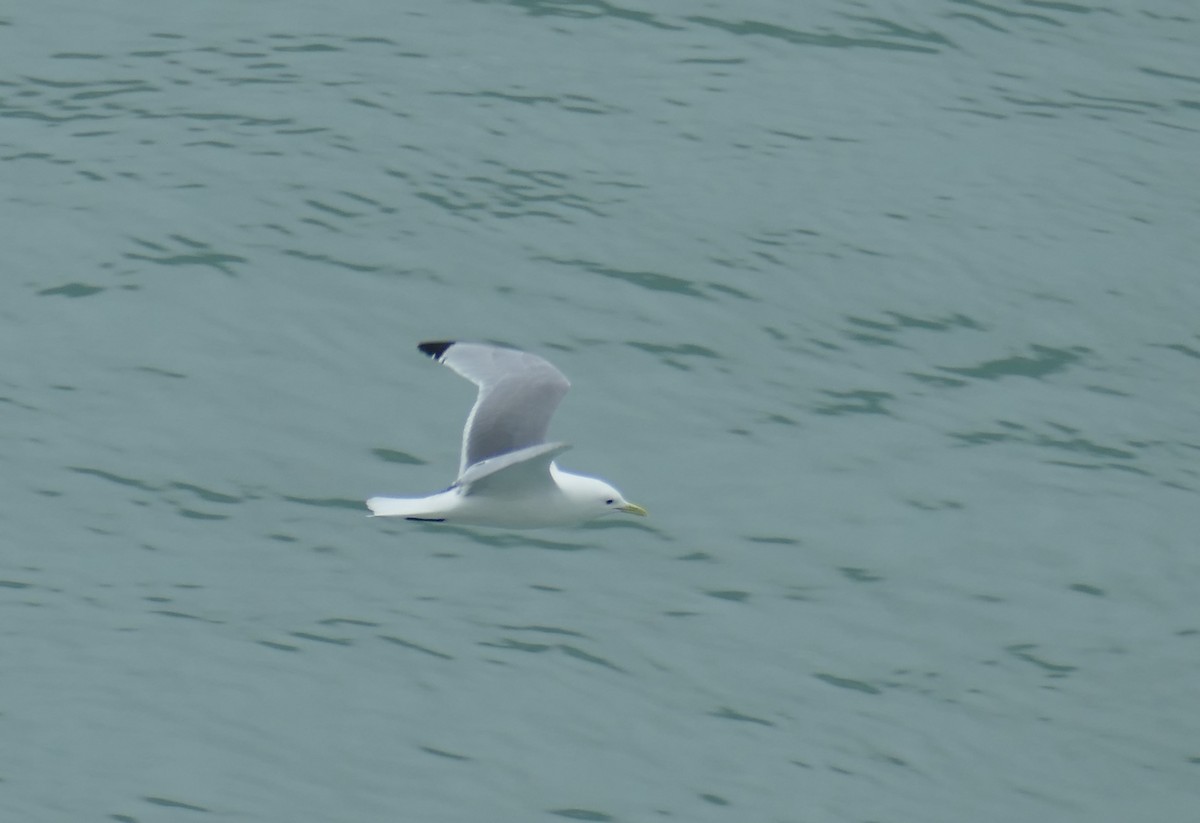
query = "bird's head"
{"x": 597, "y": 497}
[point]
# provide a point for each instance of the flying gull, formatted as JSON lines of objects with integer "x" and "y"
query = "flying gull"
{"x": 507, "y": 476}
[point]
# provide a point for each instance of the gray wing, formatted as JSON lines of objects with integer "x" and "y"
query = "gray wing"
{"x": 518, "y": 393}
{"x": 521, "y": 470}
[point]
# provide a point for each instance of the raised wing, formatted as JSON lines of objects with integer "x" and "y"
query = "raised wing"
{"x": 518, "y": 393}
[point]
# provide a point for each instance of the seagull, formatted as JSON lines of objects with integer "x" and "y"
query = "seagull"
{"x": 507, "y": 477}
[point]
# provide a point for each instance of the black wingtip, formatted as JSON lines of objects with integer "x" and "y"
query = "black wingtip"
{"x": 435, "y": 349}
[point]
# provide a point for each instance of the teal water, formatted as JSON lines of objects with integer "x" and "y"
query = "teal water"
{"x": 887, "y": 312}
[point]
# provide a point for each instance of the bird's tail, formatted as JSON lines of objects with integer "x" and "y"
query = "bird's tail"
{"x": 414, "y": 507}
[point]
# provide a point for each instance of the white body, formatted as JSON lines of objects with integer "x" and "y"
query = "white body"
{"x": 573, "y": 500}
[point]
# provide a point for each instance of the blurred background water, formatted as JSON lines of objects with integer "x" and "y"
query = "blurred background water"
{"x": 886, "y": 311}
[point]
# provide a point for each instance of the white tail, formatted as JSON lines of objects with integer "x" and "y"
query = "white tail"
{"x": 402, "y": 507}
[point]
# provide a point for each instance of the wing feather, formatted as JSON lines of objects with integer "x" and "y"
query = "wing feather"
{"x": 518, "y": 394}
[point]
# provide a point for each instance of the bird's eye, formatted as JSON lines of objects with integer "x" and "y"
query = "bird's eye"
{"x": 609, "y": 501}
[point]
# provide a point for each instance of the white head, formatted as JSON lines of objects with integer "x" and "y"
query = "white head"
{"x": 593, "y": 496}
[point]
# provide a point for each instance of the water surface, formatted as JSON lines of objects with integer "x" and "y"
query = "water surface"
{"x": 887, "y": 314}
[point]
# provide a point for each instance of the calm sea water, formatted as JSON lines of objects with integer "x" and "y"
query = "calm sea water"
{"x": 886, "y": 311}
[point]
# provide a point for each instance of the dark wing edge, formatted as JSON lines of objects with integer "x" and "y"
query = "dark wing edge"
{"x": 436, "y": 348}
